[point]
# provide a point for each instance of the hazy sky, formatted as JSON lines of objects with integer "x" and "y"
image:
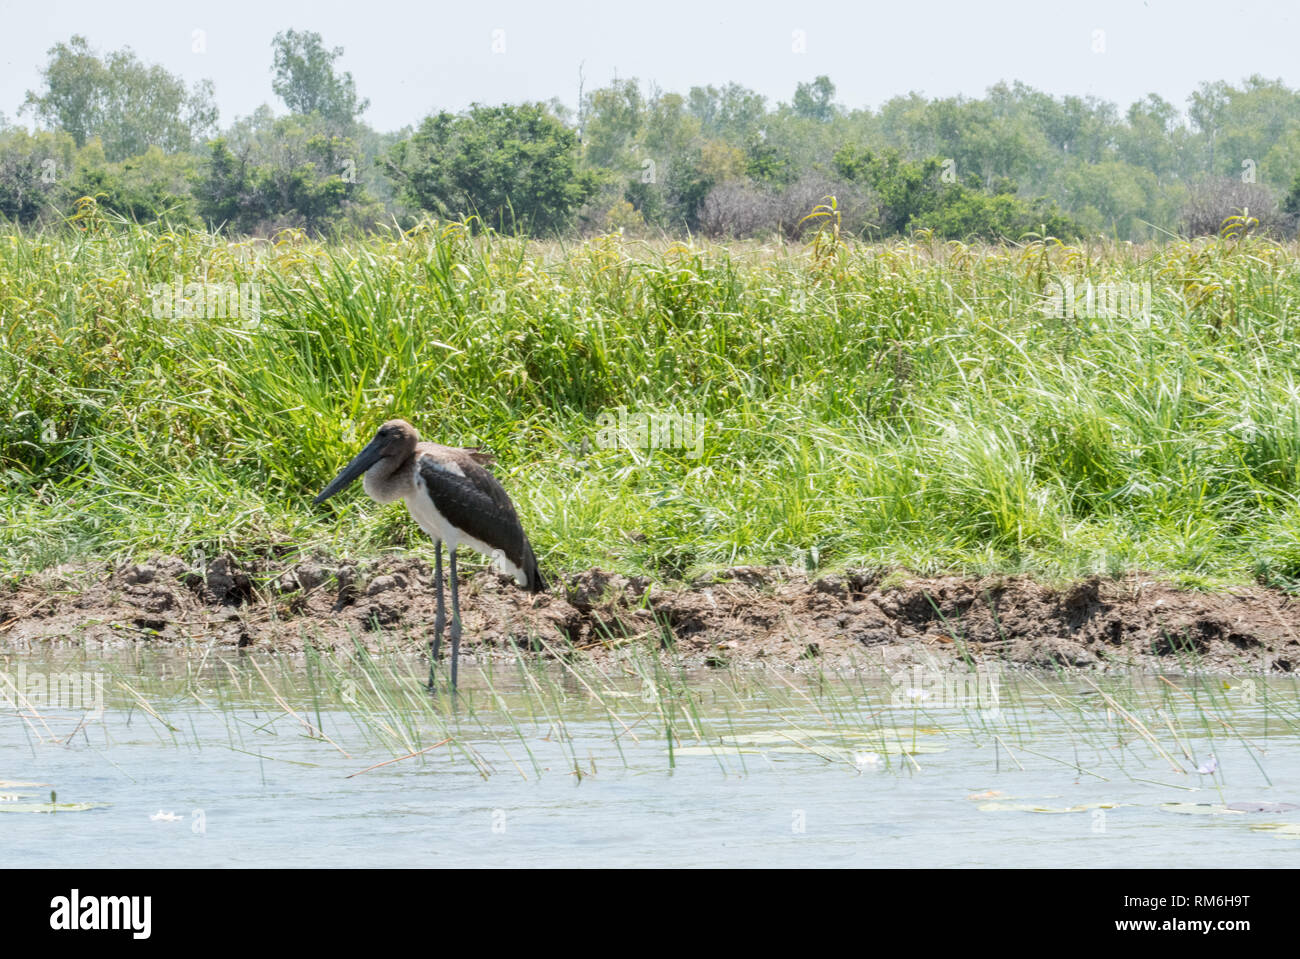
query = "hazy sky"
{"x": 411, "y": 58}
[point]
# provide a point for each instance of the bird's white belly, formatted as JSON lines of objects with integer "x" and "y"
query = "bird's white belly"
{"x": 421, "y": 507}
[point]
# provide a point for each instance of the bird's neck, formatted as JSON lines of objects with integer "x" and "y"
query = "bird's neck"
{"x": 388, "y": 479}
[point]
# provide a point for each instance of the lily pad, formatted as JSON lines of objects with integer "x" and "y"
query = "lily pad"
{"x": 894, "y": 748}
{"x": 713, "y": 751}
{"x": 903, "y": 732}
{"x": 1263, "y": 806}
{"x": 832, "y": 753}
{"x": 1029, "y": 807}
{"x": 51, "y": 806}
{"x": 1283, "y": 830}
{"x": 811, "y": 742}
{"x": 796, "y": 736}
{"x": 785, "y": 737}
{"x": 1200, "y": 809}
{"x": 839, "y": 752}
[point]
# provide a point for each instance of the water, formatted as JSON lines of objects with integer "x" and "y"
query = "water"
{"x": 569, "y": 767}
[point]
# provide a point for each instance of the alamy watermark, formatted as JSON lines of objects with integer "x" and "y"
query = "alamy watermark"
{"x": 210, "y": 301}
{"x": 945, "y": 689}
{"x": 1124, "y": 300}
{"x": 67, "y": 689}
{"x": 75, "y": 912}
{"x": 655, "y": 430}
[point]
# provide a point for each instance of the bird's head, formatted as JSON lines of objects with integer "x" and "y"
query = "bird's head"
{"x": 394, "y": 442}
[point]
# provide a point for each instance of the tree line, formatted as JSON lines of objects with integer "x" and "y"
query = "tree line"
{"x": 721, "y": 161}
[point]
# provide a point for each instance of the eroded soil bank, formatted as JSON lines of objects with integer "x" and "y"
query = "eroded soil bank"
{"x": 738, "y": 616}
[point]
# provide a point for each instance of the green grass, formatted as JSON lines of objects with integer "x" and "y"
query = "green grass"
{"x": 903, "y": 405}
{"x": 523, "y": 715}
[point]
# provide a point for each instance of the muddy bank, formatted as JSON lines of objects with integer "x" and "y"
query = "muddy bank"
{"x": 739, "y": 616}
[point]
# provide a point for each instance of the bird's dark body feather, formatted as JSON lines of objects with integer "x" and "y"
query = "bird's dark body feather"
{"x": 478, "y": 504}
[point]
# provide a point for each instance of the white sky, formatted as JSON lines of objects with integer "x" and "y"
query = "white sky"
{"x": 413, "y": 58}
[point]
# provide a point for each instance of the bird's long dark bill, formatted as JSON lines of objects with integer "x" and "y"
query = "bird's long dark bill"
{"x": 360, "y": 463}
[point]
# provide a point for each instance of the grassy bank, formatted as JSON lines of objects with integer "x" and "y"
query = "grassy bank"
{"x": 908, "y": 404}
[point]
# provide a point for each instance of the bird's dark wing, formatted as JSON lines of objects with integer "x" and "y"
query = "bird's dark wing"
{"x": 477, "y": 504}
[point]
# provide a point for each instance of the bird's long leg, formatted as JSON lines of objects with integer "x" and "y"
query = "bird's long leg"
{"x": 440, "y": 620}
{"x": 455, "y": 619}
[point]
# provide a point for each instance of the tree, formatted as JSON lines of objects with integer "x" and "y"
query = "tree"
{"x": 812, "y": 101}
{"x": 151, "y": 188}
{"x": 669, "y": 136}
{"x": 611, "y": 120}
{"x": 669, "y": 128}
{"x": 907, "y": 190}
{"x": 1207, "y": 108}
{"x": 35, "y": 170}
{"x": 224, "y": 190}
{"x": 1291, "y": 202}
{"x": 913, "y": 195}
{"x": 733, "y": 113}
{"x": 516, "y": 167}
{"x": 286, "y": 172}
{"x": 1149, "y": 137}
{"x": 1258, "y": 118}
{"x": 1113, "y": 197}
{"x": 130, "y": 106}
{"x": 305, "y": 79}
{"x": 75, "y": 82}
{"x": 963, "y": 214}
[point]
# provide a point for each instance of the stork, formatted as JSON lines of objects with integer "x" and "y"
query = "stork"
{"x": 455, "y": 500}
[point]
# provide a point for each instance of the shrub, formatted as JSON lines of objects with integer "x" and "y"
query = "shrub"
{"x": 1212, "y": 200}
{"x": 742, "y": 208}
